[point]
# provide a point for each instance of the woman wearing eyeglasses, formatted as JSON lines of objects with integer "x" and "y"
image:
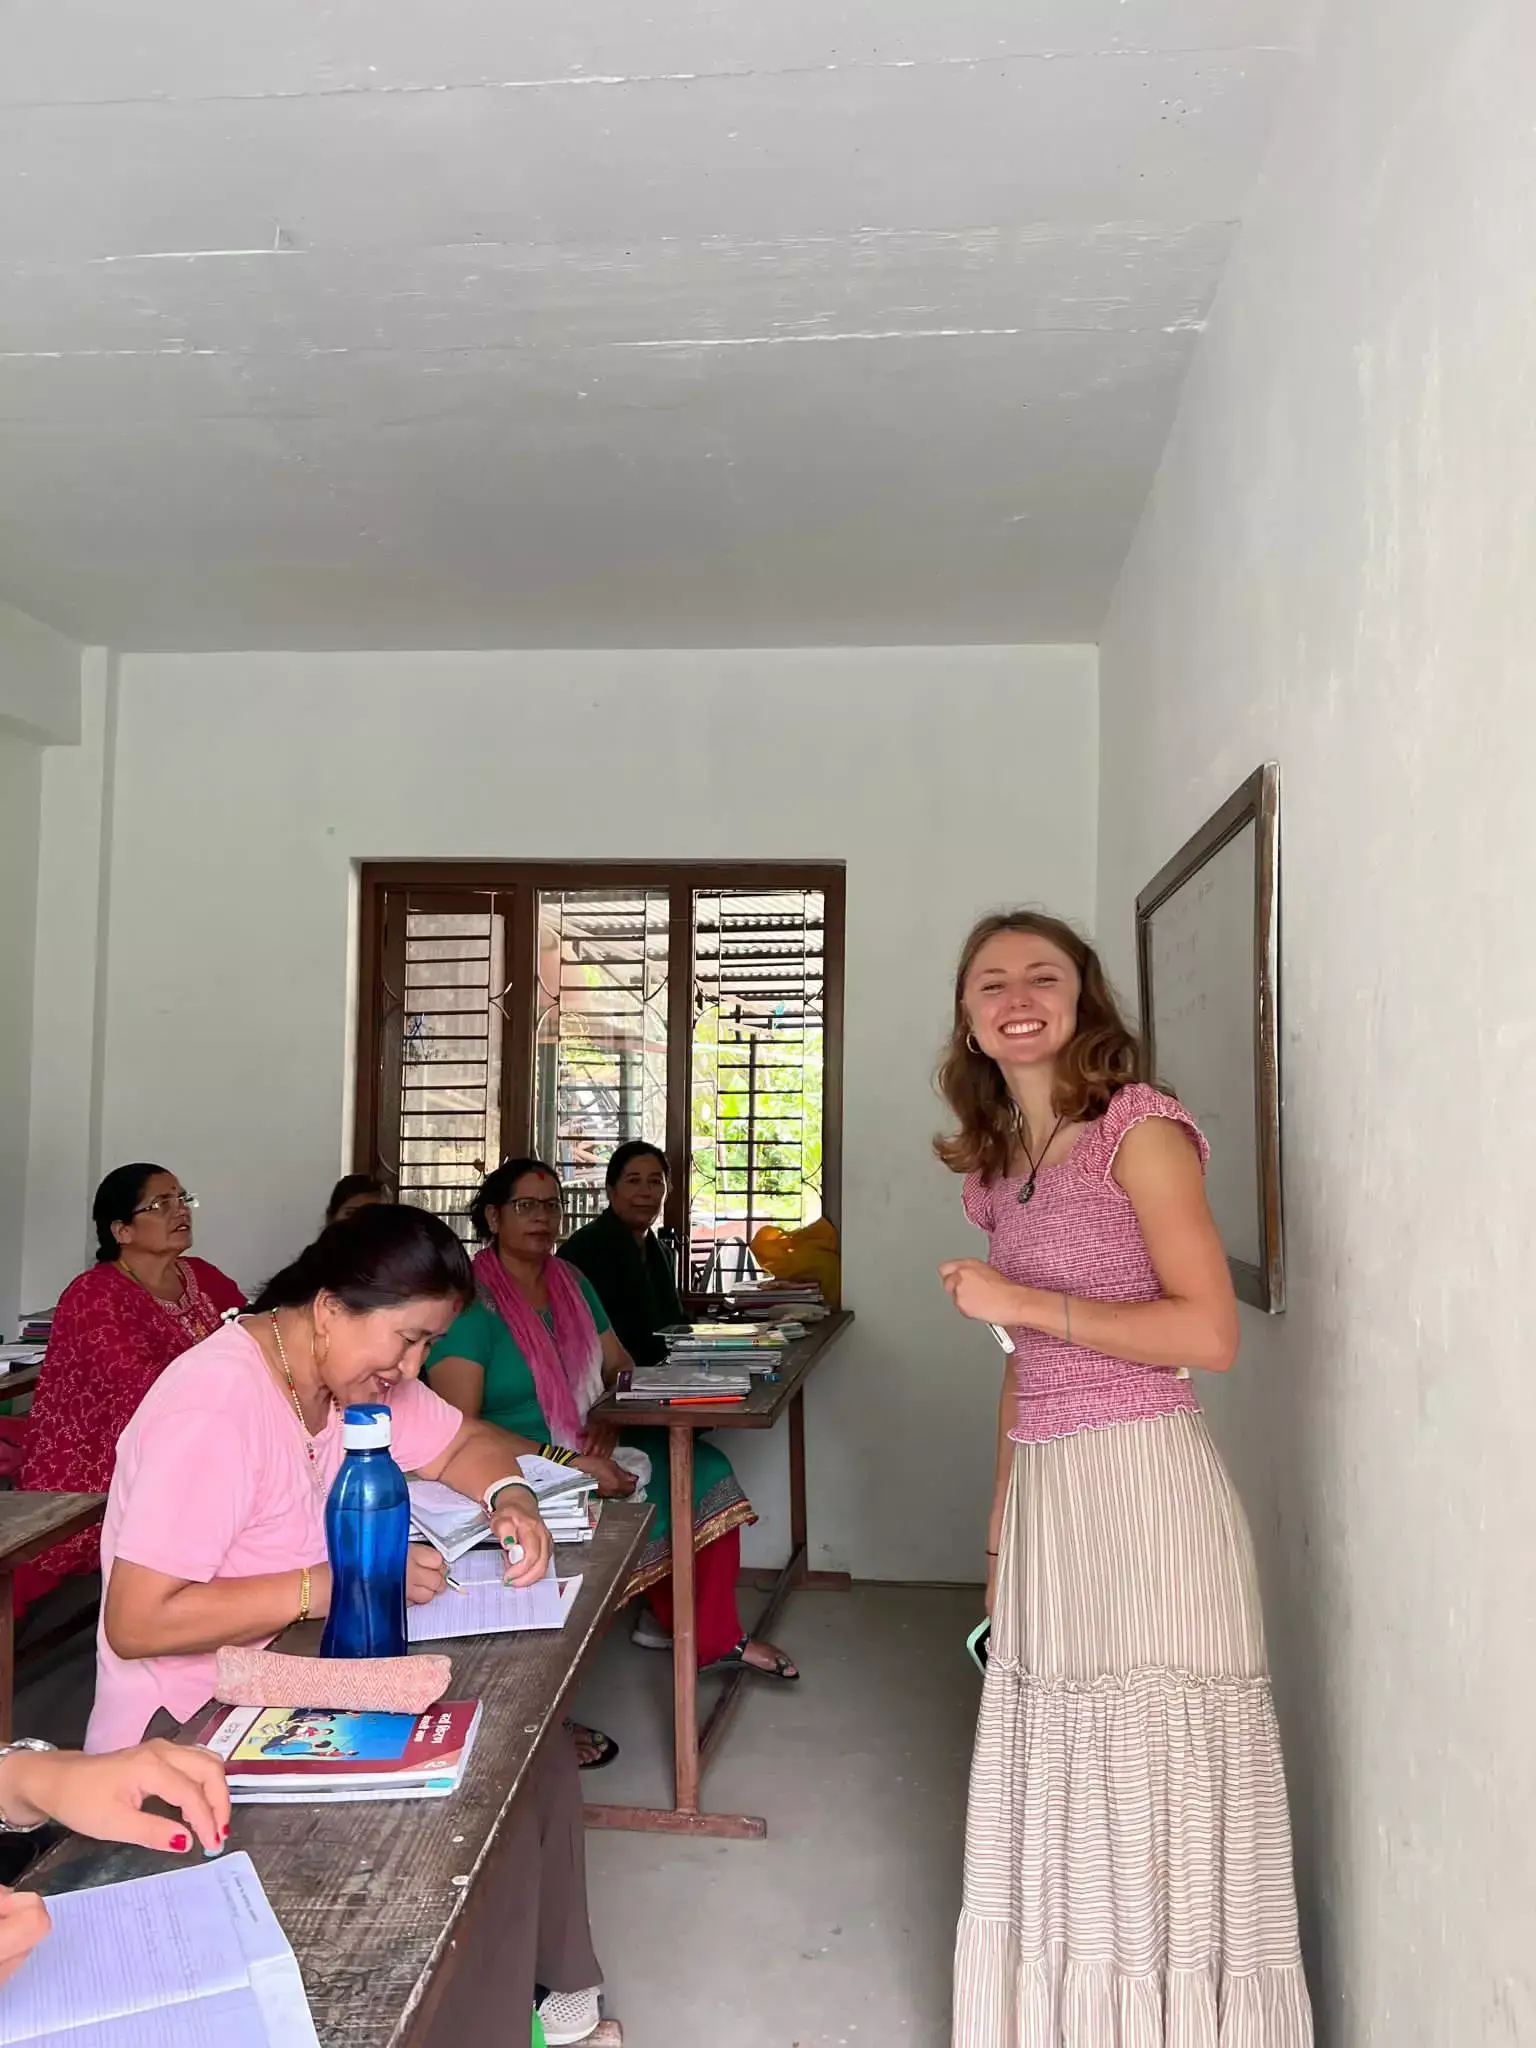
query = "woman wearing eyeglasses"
{"x": 532, "y": 1354}
{"x": 115, "y": 1330}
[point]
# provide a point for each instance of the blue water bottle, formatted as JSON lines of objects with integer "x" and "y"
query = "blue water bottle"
{"x": 367, "y": 1532}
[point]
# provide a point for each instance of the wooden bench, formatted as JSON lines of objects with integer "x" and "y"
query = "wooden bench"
{"x": 31, "y": 1523}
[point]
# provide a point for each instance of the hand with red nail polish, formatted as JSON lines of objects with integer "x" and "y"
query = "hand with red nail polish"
{"x": 104, "y": 1795}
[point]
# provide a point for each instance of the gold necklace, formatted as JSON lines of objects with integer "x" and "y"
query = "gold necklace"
{"x": 293, "y": 1392}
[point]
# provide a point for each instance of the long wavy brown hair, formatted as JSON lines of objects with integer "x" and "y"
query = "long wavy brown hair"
{"x": 1104, "y": 1055}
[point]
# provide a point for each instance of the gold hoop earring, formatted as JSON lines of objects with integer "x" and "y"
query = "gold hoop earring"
{"x": 972, "y": 1046}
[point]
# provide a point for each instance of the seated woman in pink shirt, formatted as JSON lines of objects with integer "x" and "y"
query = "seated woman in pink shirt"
{"x": 214, "y": 1534}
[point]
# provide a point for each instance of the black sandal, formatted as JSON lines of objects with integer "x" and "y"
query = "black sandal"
{"x": 607, "y": 1749}
{"x": 781, "y": 1670}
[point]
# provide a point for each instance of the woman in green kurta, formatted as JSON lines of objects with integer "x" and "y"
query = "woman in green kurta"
{"x": 533, "y": 1353}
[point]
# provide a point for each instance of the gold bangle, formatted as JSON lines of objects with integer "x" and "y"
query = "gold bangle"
{"x": 304, "y": 1594}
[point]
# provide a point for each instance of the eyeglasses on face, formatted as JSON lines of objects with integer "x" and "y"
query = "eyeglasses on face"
{"x": 536, "y": 1205}
{"x": 166, "y": 1205}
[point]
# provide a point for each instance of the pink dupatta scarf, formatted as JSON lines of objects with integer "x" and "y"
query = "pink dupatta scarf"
{"x": 568, "y": 1366}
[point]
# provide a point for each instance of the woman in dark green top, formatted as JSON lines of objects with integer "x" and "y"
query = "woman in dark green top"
{"x": 538, "y": 1346}
{"x": 619, "y": 1253}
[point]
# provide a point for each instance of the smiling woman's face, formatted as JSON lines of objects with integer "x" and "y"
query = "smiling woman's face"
{"x": 362, "y": 1356}
{"x": 1021, "y": 998}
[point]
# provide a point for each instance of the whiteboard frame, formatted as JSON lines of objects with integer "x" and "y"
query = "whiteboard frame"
{"x": 1257, "y": 803}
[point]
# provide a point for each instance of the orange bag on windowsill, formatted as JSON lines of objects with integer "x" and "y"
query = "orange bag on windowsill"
{"x": 808, "y": 1254}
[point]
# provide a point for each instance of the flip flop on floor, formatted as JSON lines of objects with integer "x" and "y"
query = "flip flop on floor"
{"x": 782, "y": 1668}
{"x": 604, "y": 1747}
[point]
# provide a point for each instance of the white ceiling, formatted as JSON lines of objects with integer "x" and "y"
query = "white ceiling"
{"x": 456, "y": 323}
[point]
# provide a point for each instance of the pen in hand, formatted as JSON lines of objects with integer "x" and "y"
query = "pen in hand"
{"x": 424, "y": 1535}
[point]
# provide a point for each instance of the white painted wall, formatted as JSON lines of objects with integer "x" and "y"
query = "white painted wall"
{"x": 39, "y": 706}
{"x": 246, "y": 787}
{"x": 68, "y": 1011}
{"x": 39, "y": 680}
{"x": 1338, "y": 570}
{"x": 20, "y": 810}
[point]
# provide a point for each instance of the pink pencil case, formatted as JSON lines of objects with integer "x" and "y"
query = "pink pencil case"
{"x": 364, "y": 1685}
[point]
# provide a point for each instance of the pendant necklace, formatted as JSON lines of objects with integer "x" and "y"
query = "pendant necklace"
{"x": 1027, "y": 1192}
{"x": 293, "y": 1392}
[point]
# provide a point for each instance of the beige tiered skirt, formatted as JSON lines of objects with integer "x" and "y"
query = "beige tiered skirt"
{"x": 1128, "y": 1879}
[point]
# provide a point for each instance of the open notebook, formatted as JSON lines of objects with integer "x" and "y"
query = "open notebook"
{"x": 486, "y": 1607}
{"x": 189, "y": 1959}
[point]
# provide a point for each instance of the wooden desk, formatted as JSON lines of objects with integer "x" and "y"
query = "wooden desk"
{"x": 372, "y": 1896}
{"x": 31, "y": 1523}
{"x": 768, "y": 1400}
{"x": 21, "y": 1379}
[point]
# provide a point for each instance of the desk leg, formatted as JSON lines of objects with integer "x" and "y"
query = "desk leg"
{"x": 7, "y": 1652}
{"x": 683, "y": 1816}
{"x": 685, "y": 1627}
{"x": 798, "y": 1532}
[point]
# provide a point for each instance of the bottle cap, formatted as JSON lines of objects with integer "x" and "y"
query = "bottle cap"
{"x": 366, "y": 1427}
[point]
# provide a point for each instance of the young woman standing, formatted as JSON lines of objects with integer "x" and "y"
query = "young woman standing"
{"x": 1128, "y": 1877}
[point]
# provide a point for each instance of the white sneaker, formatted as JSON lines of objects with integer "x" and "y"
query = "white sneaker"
{"x": 649, "y": 1633}
{"x": 570, "y": 2016}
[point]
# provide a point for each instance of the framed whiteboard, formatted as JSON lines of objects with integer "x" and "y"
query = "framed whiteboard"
{"x": 1207, "y": 961}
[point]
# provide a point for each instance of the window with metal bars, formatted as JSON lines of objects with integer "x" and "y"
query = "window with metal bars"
{"x": 561, "y": 1010}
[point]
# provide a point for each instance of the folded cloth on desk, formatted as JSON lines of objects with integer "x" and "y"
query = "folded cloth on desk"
{"x": 376, "y": 1685}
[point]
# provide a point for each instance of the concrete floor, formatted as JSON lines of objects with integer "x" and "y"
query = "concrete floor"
{"x": 836, "y": 1931}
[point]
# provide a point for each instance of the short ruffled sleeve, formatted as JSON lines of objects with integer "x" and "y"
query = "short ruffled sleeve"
{"x": 977, "y": 1200}
{"x": 1133, "y": 1105}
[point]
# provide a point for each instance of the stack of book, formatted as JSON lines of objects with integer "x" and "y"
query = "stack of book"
{"x": 660, "y": 1385}
{"x": 567, "y": 1499}
{"x": 754, "y": 1348}
{"x": 709, "y": 1362}
{"x": 38, "y": 1327}
{"x": 455, "y": 1524}
{"x": 788, "y": 1304}
{"x": 277, "y": 1756}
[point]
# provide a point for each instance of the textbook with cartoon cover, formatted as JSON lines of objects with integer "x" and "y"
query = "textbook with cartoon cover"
{"x": 287, "y": 1753}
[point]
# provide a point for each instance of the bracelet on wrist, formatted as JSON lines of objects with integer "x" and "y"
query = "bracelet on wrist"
{"x": 493, "y": 1494}
{"x": 23, "y": 1827}
{"x": 304, "y": 1593}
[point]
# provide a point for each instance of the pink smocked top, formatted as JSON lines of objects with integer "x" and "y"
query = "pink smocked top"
{"x": 1079, "y": 1236}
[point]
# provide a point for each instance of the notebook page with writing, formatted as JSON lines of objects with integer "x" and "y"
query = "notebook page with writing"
{"x": 172, "y": 1961}
{"x": 487, "y": 1607}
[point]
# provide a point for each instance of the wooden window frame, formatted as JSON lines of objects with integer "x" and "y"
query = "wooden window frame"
{"x": 377, "y": 1066}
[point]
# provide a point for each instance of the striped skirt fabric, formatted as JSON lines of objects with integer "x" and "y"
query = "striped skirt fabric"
{"x": 1128, "y": 1879}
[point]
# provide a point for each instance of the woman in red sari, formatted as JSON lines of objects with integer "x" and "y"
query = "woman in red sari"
{"x": 115, "y": 1330}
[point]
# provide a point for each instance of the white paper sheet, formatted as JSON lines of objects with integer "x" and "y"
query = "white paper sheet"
{"x": 486, "y": 1607}
{"x": 190, "y": 1959}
